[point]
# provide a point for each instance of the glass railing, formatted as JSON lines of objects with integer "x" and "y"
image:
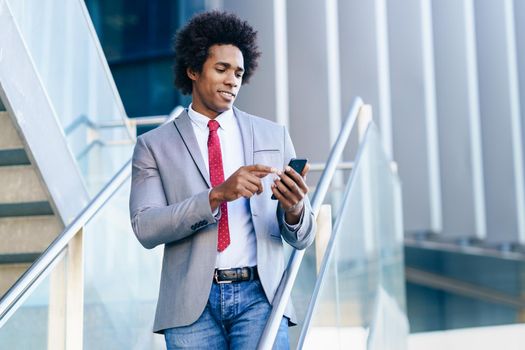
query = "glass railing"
{"x": 121, "y": 281}
{"x": 307, "y": 275}
{"x": 29, "y": 326}
{"x": 120, "y": 289}
{"x": 359, "y": 298}
{"x": 69, "y": 61}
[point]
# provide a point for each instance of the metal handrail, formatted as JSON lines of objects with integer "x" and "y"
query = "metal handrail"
{"x": 14, "y": 297}
{"x": 284, "y": 290}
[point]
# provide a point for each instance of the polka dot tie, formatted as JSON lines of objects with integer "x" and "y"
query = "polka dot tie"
{"x": 217, "y": 177}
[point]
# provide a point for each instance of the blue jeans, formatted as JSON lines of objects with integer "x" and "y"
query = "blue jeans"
{"x": 234, "y": 318}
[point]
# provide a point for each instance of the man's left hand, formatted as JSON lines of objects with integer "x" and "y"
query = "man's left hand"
{"x": 290, "y": 189}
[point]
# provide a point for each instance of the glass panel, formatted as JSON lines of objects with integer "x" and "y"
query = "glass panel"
{"x": 35, "y": 320}
{"x": 74, "y": 73}
{"x": 121, "y": 281}
{"x": 306, "y": 277}
{"x": 360, "y": 289}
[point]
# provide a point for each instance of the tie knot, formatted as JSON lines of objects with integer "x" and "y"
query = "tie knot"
{"x": 213, "y": 125}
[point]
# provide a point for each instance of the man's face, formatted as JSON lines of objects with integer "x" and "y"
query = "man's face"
{"x": 216, "y": 87}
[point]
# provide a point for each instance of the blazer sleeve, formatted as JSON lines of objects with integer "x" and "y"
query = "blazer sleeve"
{"x": 155, "y": 222}
{"x": 302, "y": 235}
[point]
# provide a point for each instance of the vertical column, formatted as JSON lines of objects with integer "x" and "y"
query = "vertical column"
{"x": 333, "y": 66}
{"x": 458, "y": 119}
{"x": 414, "y": 112}
{"x": 259, "y": 96}
{"x": 364, "y": 60}
{"x": 519, "y": 20}
{"x": 309, "y": 90}
{"x": 281, "y": 61}
{"x": 75, "y": 292}
{"x": 500, "y": 121}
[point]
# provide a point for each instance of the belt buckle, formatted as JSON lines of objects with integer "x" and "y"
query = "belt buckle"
{"x": 216, "y": 276}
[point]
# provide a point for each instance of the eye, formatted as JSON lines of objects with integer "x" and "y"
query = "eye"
{"x": 238, "y": 75}
{"x": 220, "y": 70}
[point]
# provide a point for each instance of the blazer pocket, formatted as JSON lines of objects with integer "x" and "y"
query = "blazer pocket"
{"x": 273, "y": 158}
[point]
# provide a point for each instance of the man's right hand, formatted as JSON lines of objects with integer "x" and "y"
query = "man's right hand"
{"x": 245, "y": 182}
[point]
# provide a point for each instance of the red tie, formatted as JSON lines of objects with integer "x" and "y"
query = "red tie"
{"x": 217, "y": 177}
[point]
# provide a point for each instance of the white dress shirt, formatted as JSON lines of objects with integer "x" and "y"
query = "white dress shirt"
{"x": 242, "y": 250}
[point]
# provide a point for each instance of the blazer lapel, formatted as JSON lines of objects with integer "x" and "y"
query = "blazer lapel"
{"x": 245, "y": 124}
{"x": 183, "y": 125}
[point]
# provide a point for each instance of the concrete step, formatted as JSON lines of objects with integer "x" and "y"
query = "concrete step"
{"x": 33, "y": 234}
{"x": 9, "y": 273}
{"x": 20, "y": 184}
{"x": 9, "y": 137}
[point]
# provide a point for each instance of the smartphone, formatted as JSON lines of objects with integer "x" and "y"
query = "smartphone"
{"x": 296, "y": 164}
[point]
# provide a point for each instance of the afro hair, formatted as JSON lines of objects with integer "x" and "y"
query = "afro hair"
{"x": 193, "y": 41}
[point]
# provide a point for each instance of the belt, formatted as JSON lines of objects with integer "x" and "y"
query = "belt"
{"x": 240, "y": 274}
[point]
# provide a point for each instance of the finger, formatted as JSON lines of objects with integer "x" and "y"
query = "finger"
{"x": 286, "y": 192}
{"x": 298, "y": 179}
{"x": 261, "y": 168}
{"x": 259, "y": 174}
{"x": 305, "y": 171}
{"x": 248, "y": 185}
{"x": 285, "y": 203}
{"x": 292, "y": 183}
{"x": 254, "y": 180}
{"x": 246, "y": 194}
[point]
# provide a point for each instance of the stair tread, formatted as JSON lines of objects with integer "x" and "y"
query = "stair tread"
{"x": 28, "y": 234}
{"x": 9, "y": 274}
{"x": 21, "y": 183}
{"x": 9, "y": 137}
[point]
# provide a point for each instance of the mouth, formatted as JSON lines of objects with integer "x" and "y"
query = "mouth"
{"x": 227, "y": 94}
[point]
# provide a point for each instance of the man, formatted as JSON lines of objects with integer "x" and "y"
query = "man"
{"x": 202, "y": 186}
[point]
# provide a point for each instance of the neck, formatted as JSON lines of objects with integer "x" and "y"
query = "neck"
{"x": 202, "y": 109}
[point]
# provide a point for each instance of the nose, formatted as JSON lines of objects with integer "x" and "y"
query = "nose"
{"x": 231, "y": 80}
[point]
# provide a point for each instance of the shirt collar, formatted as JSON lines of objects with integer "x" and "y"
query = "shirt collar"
{"x": 225, "y": 119}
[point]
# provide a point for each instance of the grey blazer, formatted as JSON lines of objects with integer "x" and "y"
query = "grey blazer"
{"x": 169, "y": 205}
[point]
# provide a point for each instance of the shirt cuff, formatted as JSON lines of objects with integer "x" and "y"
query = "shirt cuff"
{"x": 294, "y": 228}
{"x": 216, "y": 213}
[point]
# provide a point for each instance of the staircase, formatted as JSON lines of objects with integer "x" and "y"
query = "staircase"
{"x": 27, "y": 221}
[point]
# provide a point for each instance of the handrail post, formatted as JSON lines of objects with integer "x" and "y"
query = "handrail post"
{"x": 56, "y": 330}
{"x": 364, "y": 117}
{"x": 75, "y": 292}
{"x": 66, "y": 298}
{"x": 322, "y": 235}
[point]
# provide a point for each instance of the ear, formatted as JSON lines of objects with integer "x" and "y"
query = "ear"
{"x": 192, "y": 74}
